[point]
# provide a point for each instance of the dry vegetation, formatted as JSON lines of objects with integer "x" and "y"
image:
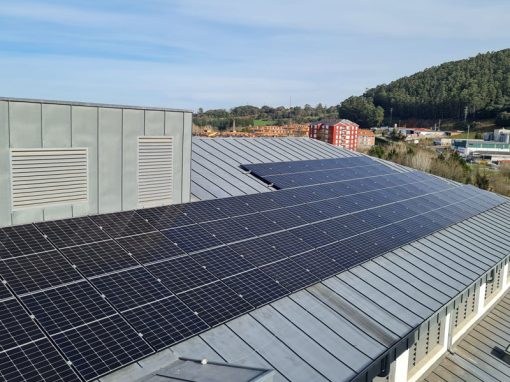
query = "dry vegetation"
{"x": 448, "y": 165}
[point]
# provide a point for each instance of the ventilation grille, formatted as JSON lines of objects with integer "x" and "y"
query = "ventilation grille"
{"x": 43, "y": 177}
{"x": 155, "y": 181}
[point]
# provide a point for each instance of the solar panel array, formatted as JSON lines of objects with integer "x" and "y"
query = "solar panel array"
{"x": 82, "y": 297}
{"x": 282, "y": 175}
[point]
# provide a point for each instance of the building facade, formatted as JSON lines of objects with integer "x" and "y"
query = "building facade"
{"x": 343, "y": 133}
{"x": 66, "y": 159}
{"x": 366, "y": 138}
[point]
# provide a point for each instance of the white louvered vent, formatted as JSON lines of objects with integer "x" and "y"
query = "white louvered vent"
{"x": 44, "y": 177}
{"x": 155, "y": 174}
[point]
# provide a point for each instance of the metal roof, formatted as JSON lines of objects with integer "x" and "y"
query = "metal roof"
{"x": 91, "y": 104}
{"x": 479, "y": 356}
{"x": 334, "y": 330}
{"x": 215, "y": 162}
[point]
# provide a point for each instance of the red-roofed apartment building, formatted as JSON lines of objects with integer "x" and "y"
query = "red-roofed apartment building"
{"x": 343, "y": 133}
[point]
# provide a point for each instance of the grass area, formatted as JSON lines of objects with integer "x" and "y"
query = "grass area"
{"x": 260, "y": 122}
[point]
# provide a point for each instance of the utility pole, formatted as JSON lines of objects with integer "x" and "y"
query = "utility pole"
{"x": 391, "y": 115}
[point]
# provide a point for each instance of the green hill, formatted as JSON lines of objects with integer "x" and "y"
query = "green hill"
{"x": 481, "y": 83}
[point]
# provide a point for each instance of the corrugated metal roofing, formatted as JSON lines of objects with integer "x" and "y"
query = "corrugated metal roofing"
{"x": 215, "y": 162}
{"x": 333, "y": 330}
{"x": 479, "y": 356}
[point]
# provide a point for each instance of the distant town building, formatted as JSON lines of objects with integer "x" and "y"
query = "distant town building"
{"x": 343, "y": 133}
{"x": 419, "y": 132}
{"x": 480, "y": 149}
{"x": 294, "y": 130}
{"x": 366, "y": 138}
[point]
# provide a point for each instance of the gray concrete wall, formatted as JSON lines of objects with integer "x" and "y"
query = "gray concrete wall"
{"x": 109, "y": 132}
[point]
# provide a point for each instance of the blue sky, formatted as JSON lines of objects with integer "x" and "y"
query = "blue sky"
{"x": 224, "y": 53}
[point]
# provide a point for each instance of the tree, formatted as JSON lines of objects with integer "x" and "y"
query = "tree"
{"x": 362, "y": 111}
{"x": 503, "y": 119}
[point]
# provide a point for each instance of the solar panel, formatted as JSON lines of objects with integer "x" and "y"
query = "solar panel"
{"x": 130, "y": 288}
{"x": 17, "y": 328}
{"x": 215, "y": 303}
{"x": 67, "y": 306}
{"x": 35, "y": 361}
{"x": 257, "y": 251}
{"x": 99, "y": 258}
{"x": 304, "y": 173}
{"x": 157, "y": 276}
{"x": 21, "y": 241}
{"x": 181, "y": 273}
{"x": 102, "y": 346}
{"x": 165, "y": 322}
{"x": 39, "y": 271}
{"x": 122, "y": 224}
{"x": 290, "y": 274}
{"x": 150, "y": 247}
{"x": 256, "y": 287}
{"x": 222, "y": 262}
{"x": 287, "y": 243}
{"x": 69, "y": 232}
{"x": 191, "y": 238}
{"x": 227, "y": 231}
{"x": 164, "y": 218}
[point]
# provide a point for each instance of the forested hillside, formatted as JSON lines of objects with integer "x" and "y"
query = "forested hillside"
{"x": 481, "y": 83}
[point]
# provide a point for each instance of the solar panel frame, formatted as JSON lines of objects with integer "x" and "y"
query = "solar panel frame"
{"x": 21, "y": 241}
{"x": 25, "y": 274}
{"x": 215, "y": 303}
{"x": 35, "y": 361}
{"x": 256, "y": 287}
{"x": 109, "y": 344}
{"x": 120, "y": 224}
{"x": 150, "y": 247}
{"x": 165, "y": 322}
{"x": 99, "y": 258}
{"x": 71, "y": 232}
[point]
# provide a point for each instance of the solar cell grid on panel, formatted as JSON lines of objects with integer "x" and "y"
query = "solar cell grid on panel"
{"x": 67, "y": 306}
{"x": 150, "y": 247}
{"x": 256, "y": 287}
{"x": 290, "y": 274}
{"x": 312, "y": 235}
{"x": 181, "y": 273}
{"x": 260, "y": 202}
{"x": 165, "y": 217}
{"x": 69, "y": 232}
{"x": 222, "y": 261}
{"x": 227, "y": 230}
{"x": 287, "y": 243}
{"x": 215, "y": 303}
{"x": 319, "y": 263}
{"x": 21, "y": 241}
{"x": 308, "y": 212}
{"x": 202, "y": 212}
{"x": 122, "y": 224}
{"x": 31, "y": 273}
{"x": 34, "y": 362}
{"x": 284, "y": 218}
{"x": 4, "y": 292}
{"x": 257, "y": 251}
{"x": 165, "y": 322}
{"x": 131, "y": 288}
{"x": 191, "y": 238}
{"x": 232, "y": 206}
{"x": 16, "y": 326}
{"x": 257, "y": 224}
{"x": 102, "y": 346}
{"x": 99, "y": 258}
